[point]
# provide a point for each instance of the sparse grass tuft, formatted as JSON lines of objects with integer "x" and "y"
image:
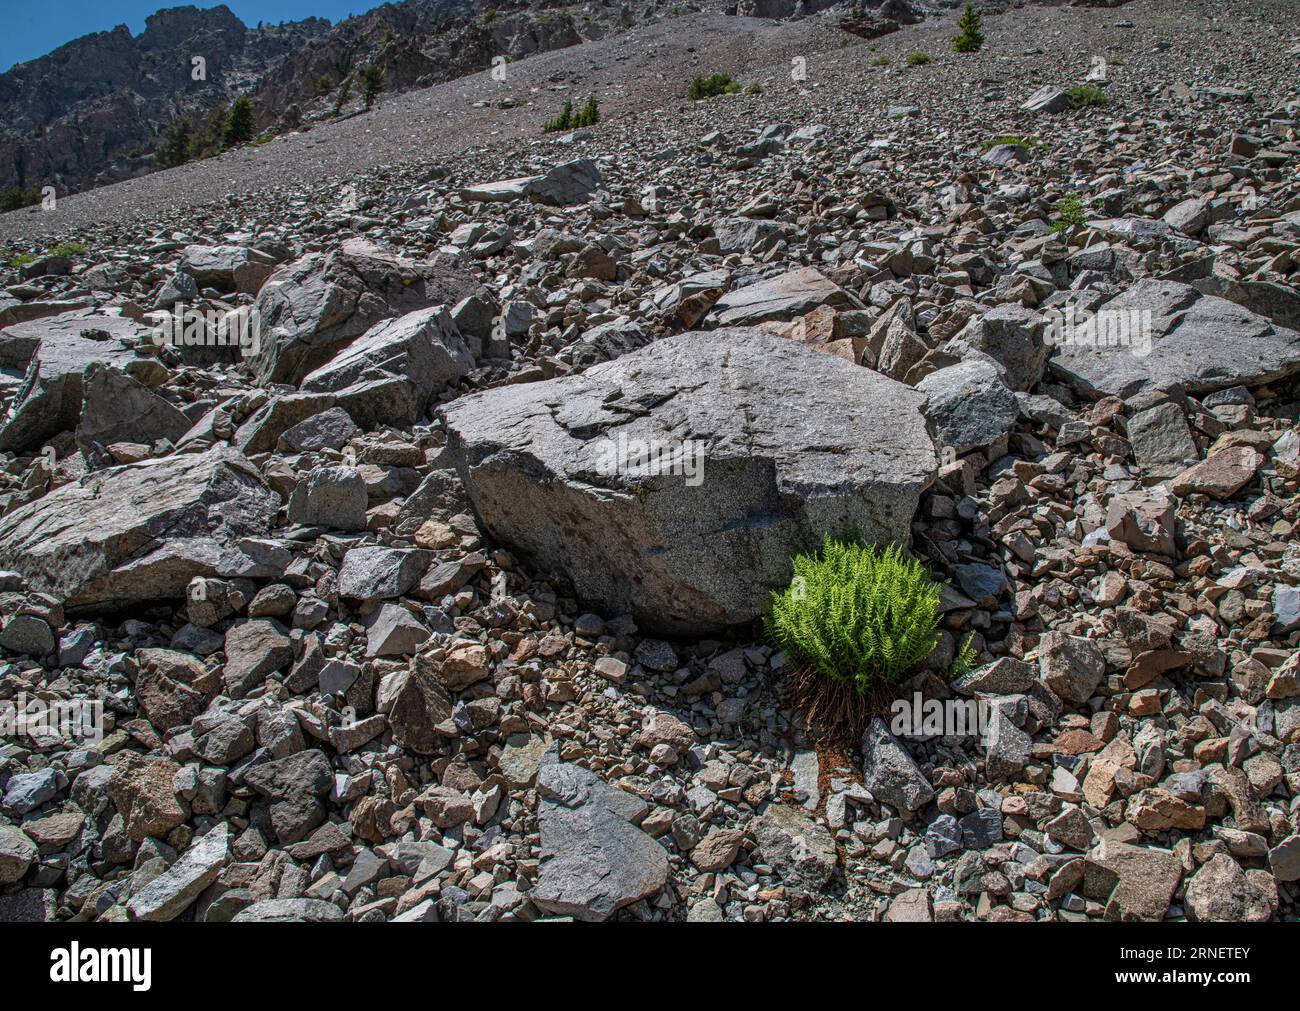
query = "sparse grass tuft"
{"x": 1072, "y": 213}
{"x": 69, "y": 250}
{"x": 711, "y": 86}
{"x": 917, "y": 59}
{"x": 1083, "y": 95}
{"x": 1008, "y": 138}
{"x": 880, "y": 61}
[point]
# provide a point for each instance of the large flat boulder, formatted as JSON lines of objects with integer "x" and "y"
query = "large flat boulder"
{"x": 314, "y": 307}
{"x": 1204, "y": 342}
{"x": 123, "y": 535}
{"x": 564, "y": 185}
{"x": 676, "y": 482}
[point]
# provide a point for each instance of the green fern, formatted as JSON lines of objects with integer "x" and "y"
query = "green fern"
{"x": 856, "y": 615}
{"x": 964, "y": 660}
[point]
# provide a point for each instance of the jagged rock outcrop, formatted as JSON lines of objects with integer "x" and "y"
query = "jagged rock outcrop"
{"x": 314, "y": 307}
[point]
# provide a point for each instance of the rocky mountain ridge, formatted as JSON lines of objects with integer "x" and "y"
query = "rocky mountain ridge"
{"x": 92, "y": 112}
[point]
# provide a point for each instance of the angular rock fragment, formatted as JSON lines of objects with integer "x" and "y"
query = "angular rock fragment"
{"x": 889, "y": 772}
{"x": 315, "y": 306}
{"x": 116, "y": 408}
{"x": 969, "y": 404}
{"x": 168, "y": 895}
{"x": 54, "y": 353}
{"x": 294, "y": 786}
{"x": 89, "y": 544}
{"x": 1222, "y": 892}
{"x": 1160, "y": 333}
{"x": 388, "y": 375}
{"x": 1071, "y": 666}
{"x": 799, "y": 848}
{"x": 1136, "y": 883}
{"x": 330, "y": 497}
{"x": 564, "y": 185}
{"x": 595, "y": 860}
{"x": 779, "y": 298}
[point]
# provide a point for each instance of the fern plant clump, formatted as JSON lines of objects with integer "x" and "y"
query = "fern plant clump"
{"x": 854, "y": 619}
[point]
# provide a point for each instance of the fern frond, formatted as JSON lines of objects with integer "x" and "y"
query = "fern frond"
{"x": 862, "y": 617}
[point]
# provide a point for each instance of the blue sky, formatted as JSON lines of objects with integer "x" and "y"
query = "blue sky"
{"x": 33, "y": 29}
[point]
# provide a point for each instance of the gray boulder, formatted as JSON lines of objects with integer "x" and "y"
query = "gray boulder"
{"x": 594, "y": 858}
{"x": 315, "y": 306}
{"x": 1162, "y": 443}
{"x": 1046, "y": 99}
{"x": 1201, "y": 341}
{"x": 54, "y": 354}
{"x": 388, "y": 375}
{"x": 116, "y": 408}
{"x": 1014, "y": 337}
{"x": 330, "y": 497}
{"x": 605, "y": 342}
{"x": 780, "y": 298}
{"x": 377, "y": 573}
{"x": 562, "y": 186}
{"x": 676, "y": 482}
{"x": 740, "y": 235}
{"x": 1222, "y": 892}
{"x": 970, "y": 405}
{"x": 294, "y": 787}
{"x": 330, "y": 429}
{"x": 1071, "y": 666}
{"x": 168, "y": 895}
{"x": 136, "y": 533}
{"x": 228, "y": 267}
{"x": 796, "y": 846}
{"x": 889, "y": 773}
{"x": 17, "y": 853}
{"x": 289, "y": 911}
